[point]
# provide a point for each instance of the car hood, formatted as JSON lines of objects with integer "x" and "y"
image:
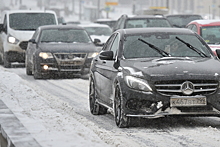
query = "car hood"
{"x": 21, "y": 35}
{"x": 172, "y": 67}
{"x": 68, "y": 47}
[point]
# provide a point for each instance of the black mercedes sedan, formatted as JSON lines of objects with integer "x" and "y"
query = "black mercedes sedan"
{"x": 152, "y": 73}
{"x": 59, "y": 49}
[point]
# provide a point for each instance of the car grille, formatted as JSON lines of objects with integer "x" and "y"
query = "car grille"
{"x": 200, "y": 87}
{"x": 23, "y": 45}
{"x": 70, "y": 61}
{"x": 69, "y": 56}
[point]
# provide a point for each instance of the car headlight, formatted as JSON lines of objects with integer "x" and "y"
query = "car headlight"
{"x": 92, "y": 55}
{"x": 137, "y": 83}
{"x": 45, "y": 55}
{"x": 12, "y": 39}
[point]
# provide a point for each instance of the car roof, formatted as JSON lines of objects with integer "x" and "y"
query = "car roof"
{"x": 104, "y": 20}
{"x": 45, "y": 27}
{"x": 28, "y": 11}
{"x": 144, "y": 16}
{"x": 205, "y": 22}
{"x": 183, "y": 15}
{"x": 156, "y": 30}
{"x": 94, "y": 25}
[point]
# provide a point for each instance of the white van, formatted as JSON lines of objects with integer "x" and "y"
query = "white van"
{"x": 16, "y": 28}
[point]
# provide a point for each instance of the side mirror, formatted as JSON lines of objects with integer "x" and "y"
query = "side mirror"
{"x": 97, "y": 42}
{"x": 106, "y": 55}
{"x": 32, "y": 41}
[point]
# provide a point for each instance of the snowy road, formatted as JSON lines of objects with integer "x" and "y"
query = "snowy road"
{"x": 56, "y": 113}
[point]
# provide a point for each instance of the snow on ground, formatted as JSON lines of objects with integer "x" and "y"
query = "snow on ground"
{"x": 51, "y": 128}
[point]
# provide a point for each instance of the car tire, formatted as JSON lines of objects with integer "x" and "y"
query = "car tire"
{"x": 95, "y": 108}
{"x": 37, "y": 75}
{"x": 6, "y": 64}
{"x": 28, "y": 69}
{"x": 121, "y": 120}
{"x": 1, "y": 60}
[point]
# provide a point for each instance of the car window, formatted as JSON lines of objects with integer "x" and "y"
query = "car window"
{"x": 134, "y": 48}
{"x": 211, "y": 34}
{"x": 147, "y": 22}
{"x": 189, "y": 26}
{"x": 30, "y": 21}
{"x": 65, "y": 35}
{"x": 115, "y": 45}
{"x": 108, "y": 44}
{"x": 195, "y": 29}
{"x": 99, "y": 31}
{"x": 182, "y": 20}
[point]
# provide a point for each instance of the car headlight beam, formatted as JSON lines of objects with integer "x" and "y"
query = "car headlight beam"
{"x": 45, "y": 55}
{"x": 92, "y": 55}
{"x": 137, "y": 83}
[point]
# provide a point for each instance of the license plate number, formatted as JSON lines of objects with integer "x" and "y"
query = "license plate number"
{"x": 71, "y": 62}
{"x": 187, "y": 101}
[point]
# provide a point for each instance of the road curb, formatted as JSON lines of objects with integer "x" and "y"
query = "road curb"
{"x": 12, "y": 131}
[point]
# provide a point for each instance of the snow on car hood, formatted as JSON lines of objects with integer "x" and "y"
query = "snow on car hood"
{"x": 21, "y": 35}
{"x": 172, "y": 67}
{"x": 68, "y": 47}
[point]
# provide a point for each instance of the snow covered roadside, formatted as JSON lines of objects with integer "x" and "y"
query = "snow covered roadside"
{"x": 51, "y": 128}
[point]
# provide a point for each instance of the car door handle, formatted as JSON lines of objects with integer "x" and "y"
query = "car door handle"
{"x": 104, "y": 62}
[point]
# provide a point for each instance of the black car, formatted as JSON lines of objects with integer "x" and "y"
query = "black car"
{"x": 139, "y": 21}
{"x": 59, "y": 49}
{"x": 141, "y": 73}
{"x": 181, "y": 20}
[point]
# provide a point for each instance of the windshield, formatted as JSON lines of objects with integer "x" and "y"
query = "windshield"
{"x": 167, "y": 43}
{"x": 147, "y": 22}
{"x": 182, "y": 21}
{"x": 64, "y": 35}
{"x": 30, "y": 21}
{"x": 211, "y": 34}
{"x": 99, "y": 31}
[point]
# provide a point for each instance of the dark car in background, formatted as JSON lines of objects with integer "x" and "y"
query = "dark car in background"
{"x": 144, "y": 21}
{"x": 59, "y": 49}
{"x": 181, "y": 20}
{"x": 139, "y": 75}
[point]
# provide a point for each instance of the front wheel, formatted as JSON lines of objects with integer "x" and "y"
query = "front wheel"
{"x": 6, "y": 64}
{"x": 95, "y": 108}
{"x": 28, "y": 69}
{"x": 121, "y": 120}
{"x": 37, "y": 75}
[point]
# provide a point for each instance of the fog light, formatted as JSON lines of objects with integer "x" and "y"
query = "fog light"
{"x": 45, "y": 67}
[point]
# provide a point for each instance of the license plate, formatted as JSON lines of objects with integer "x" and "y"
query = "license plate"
{"x": 188, "y": 101}
{"x": 71, "y": 62}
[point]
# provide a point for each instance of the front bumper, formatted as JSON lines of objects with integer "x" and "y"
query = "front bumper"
{"x": 154, "y": 105}
{"x": 173, "y": 111}
{"x": 51, "y": 66}
{"x": 15, "y": 52}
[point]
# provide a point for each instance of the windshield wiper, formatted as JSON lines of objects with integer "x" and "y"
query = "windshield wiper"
{"x": 160, "y": 51}
{"x": 192, "y": 47}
